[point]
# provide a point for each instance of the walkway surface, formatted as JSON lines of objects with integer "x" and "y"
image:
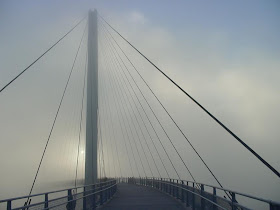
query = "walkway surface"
{"x": 130, "y": 196}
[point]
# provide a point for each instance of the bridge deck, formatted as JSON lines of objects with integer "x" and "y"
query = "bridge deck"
{"x": 136, "y": 197}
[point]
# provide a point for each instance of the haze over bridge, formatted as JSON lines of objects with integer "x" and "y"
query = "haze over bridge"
{"x": 107, "y": 84}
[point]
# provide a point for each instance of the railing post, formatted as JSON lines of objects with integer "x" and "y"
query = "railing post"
{"x": 182, "y": 192}
{"x": 69, "y": 199}
{"x": 158, "y": 184}
{"x": 274, "y": 206}
{"x": 233, "y": 207}
{"x": 187, "y": 195}
{"x": 109, "y": 192}
{"x": 202, "y": 201}
{"x": 112, "y": 189}
{"x": 170, "y": 187}
{"x": 166, "y": 185}
{"x": 161, "y": 184}
{"x": 173, "y": 188}
{"x": 193, "y": 197}
{"x": 101, "y": 194}
{"x": 214, "y": 198}
{"x": 105, "y": 194}
{"x": 177, "y": 189}
{"x": 84, "y": 199}
{"x": 9, "y": 205}
{"x": 46, "y": 204}
{"x": 93, "y": 197}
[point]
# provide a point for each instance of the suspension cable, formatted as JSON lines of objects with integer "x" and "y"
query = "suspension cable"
{"x": 125, "y": 97}
{"x": 130, "y": 129}
{"x": 101, "y": 142}
{"x": 81, "y": 118}
{"x": 164, "y": 107}
{"x": 122, "y": 129}
{"x": 197, "y": 103}
{"x": 41, "y": 56}
{"x": 168, "y": 139}
{"x": 61, "y": 100}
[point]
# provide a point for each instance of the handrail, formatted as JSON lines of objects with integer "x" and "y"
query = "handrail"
{"x": 35, "y": 204}
{"x": 225, "y": 189}
{"x": 51, "y": 192}
{"x": 236, "y": 204}
{"x": 106, "y": 190}
{"x": 166, "y": 184}
{"x": 55, "y": 199}
{"x": 81, "y": 197}
{"x": 197, "y": 195}
{"x": 179, "y": 188}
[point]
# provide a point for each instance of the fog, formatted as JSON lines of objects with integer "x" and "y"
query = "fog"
{"x": 225, "y": 54}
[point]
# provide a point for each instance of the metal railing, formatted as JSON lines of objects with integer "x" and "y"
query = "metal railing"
{"x": 193, "y": 194}
{"x": 82, "y": 197}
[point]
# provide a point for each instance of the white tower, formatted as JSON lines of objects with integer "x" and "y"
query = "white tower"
{"x": 92, "y": 101}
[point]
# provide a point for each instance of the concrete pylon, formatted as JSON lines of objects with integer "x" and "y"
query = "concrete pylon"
{"x": 92, "y": 101}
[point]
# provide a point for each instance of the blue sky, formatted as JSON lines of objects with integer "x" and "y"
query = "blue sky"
{"x": 249, "y": 23}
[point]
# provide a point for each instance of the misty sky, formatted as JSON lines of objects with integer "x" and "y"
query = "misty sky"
{"x": 225, "y": 54}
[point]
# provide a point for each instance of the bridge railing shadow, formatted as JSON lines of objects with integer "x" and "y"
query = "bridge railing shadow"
{"x": 82, "y": 197}
{"x": 194, "y": 195}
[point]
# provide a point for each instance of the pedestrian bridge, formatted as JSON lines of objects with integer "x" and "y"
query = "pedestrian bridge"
{"x": 139, "y": 194}
{"x": 138, "y": 142}
{"x": 131, "y": 196}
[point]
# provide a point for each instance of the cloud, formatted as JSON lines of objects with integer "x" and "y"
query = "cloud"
{"x": 137, "y": 17}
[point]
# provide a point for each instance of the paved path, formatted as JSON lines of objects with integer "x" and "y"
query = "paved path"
{"x": 134, "y": 197}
